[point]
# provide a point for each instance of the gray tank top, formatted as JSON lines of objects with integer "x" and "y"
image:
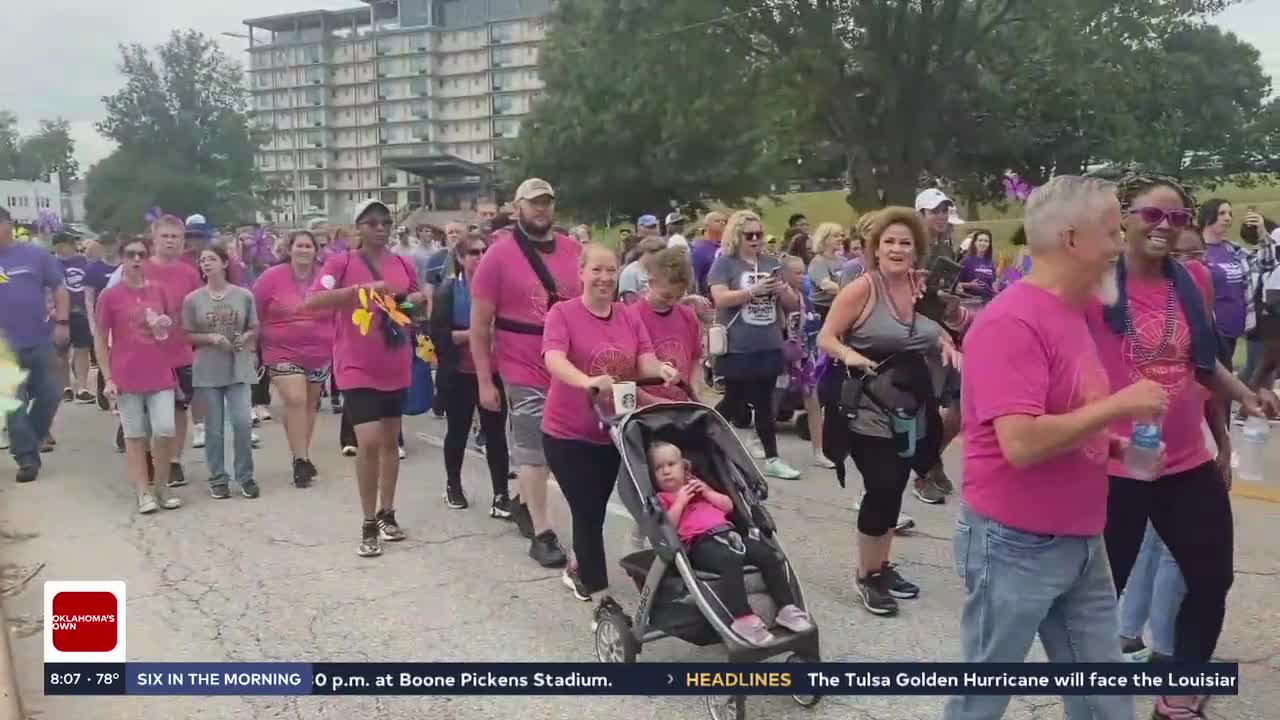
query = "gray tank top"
{"x": 882, "y": 334}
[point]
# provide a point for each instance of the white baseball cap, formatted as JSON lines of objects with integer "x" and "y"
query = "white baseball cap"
{"x": 931, "y": 198}
{"x": 534, "y": 188}
{"x": 197, "y": 219}
{"x": 677, "y": 241}
{"x": 363, "y": 207}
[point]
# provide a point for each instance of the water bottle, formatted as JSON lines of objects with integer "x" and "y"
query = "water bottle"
{"x": 1143, "y": 455}
{"x": 1253, "y": 451}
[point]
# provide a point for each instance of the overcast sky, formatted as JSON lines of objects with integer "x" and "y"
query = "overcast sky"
{"x": 60, "y": 56}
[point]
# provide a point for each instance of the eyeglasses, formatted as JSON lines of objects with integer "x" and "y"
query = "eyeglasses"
{"x": 476, "y": 252}
{"x": 135, "y": 254}
{"x": 750, "y": 236}
{"x": 1154, "y": 215}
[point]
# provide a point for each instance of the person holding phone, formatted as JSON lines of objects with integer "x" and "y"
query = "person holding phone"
{"x": 977, "y": 271}
{"x": 751, "y": 301}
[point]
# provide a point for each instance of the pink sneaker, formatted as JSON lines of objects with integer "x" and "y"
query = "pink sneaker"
{"x": 753, "y": 630}
{"x": 794, "y": 619}
{"x": 1165, "y": 711}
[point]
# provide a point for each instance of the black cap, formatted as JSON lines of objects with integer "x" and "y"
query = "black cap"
{"x": 63, "y": 237}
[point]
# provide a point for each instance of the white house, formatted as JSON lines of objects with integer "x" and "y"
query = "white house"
{"x": 24, "y": 199}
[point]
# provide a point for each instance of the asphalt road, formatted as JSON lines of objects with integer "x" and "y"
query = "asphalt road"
{"x": 277, "y": 579}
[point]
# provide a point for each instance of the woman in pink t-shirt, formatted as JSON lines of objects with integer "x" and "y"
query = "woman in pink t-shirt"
{"x": 133, "y": 319}
{"x": 590, "y": 342}
{"x": 296, "y": 346}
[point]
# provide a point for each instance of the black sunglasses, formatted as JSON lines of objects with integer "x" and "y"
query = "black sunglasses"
{"x": 136, "y": 254}
{"x": 752, "y": 235}
{"x": 476, "y": 252}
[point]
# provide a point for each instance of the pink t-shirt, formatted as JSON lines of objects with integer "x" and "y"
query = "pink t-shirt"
{"x": 365, "y": 361}
{"x": 139, "y": 363}
{"x": 1172, "y": 369}
{"x": 699, "y": 517}
{"x": 176, "y": 280}
{"x": 1030, "y": 353}
{"x": 677, "y": 339}
{"x": 505, "y": 279}
{"x": 290, "y": 333}
{"x": 596, "y": 346}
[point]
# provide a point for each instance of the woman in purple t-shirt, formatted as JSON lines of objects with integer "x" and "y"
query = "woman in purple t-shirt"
{"x": 588, "y": 343}
{"x": 1230, "y": 271}
{"x": 977, "y": 272}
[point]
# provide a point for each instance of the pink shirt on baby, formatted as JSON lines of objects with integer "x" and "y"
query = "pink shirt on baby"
{"x": 176, "y": 280}
{"x": 506, "y": 280}
{"x": 1181, "y": 427}
{"x": 597, "y": 346}
{"x": 290, "y": 333}
{"x": 366, "y": 361}
{"x": 139, "y": 363}
{"x": 677, "y": 339}
{"x": 1030, "y": 353}
{"x": 699, "y": 517}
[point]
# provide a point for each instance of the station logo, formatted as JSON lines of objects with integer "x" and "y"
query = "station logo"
{"x": 84, "y": 621}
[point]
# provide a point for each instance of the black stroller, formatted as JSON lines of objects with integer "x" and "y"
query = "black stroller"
{"x": 677, "y": 600}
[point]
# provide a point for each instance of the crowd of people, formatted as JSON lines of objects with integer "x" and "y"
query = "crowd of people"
{"x": 1119, "y": 315}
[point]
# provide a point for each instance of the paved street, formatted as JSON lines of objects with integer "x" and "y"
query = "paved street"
{"x": 277, "y": 579}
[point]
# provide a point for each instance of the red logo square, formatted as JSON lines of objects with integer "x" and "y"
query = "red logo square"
{"x": 85, "y": 622}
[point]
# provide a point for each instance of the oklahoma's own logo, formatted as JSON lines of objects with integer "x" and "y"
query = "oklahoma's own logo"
{"x": 84, "y": 621}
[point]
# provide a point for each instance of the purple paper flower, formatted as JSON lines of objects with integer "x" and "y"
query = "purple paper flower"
{"x": 47, "y": 222}
{"x": 1015, "y": 188}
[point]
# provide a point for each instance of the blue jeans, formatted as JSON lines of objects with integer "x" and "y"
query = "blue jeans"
{"x": 1153, "y": 594}
{"x": 1019, "y": 584}
{"x": 40, "y": 395}
{"x": 230, "y": 402}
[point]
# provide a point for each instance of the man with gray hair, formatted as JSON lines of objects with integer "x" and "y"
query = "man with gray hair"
{"x": 1037, "y": 403}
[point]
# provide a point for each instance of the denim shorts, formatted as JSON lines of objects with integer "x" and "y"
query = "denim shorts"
{"x": 285, "y": 369}
{"x": 144, "y": 415}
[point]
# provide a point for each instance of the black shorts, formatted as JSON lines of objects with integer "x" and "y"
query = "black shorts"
{"x": 81, "y": 335}
{"x": 365, "y": 405}
{"x": 185, "y": 388}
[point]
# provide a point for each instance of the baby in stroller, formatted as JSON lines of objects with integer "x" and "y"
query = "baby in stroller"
{"x": 701, "y": 518}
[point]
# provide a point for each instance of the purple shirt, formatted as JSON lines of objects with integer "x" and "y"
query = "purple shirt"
{"x": 1230, "y": 273}
{"x": 703, "y": 255}
{"x": 27, "y": 272}
{"x": 979, "y": 270}
{"x": 97, "y": 275}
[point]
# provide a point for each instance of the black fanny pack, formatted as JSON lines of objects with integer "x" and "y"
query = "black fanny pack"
{"x": 515, "y": 326}
{"x": 901, "y": 388}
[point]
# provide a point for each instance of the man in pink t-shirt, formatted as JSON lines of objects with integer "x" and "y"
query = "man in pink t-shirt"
{"x": 1037, "y": 406}
{"x": 509, "y": 304}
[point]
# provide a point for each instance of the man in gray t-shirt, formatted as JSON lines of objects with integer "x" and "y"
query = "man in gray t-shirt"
{"x": 757, "y": 325}
{"x": 231, "y": 315}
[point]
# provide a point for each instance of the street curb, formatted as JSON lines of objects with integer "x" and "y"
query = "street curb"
{"x": 1256, "y": 491}
{"x": 10, "y": 700}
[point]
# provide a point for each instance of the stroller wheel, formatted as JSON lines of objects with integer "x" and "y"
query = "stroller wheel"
{"x": 727, "y": 707}
{"x": 614, "y": 641}
{"x": 806, "y": 701}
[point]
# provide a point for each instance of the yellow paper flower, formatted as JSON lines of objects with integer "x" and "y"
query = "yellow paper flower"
{"x": 361, "y": 317}
{"x": 11, "y": 376}
{"x": 426, "y": 350}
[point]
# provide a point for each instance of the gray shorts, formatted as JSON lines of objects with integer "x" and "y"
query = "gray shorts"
{"x": 144, "y": 415}
{"x": 524, "y": 428}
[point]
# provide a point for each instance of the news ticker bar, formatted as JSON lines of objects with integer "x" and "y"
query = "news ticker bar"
{"x": 147, "y": 678}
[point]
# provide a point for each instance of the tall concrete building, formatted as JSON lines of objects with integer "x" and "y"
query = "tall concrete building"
{"x": 409, "y": 101}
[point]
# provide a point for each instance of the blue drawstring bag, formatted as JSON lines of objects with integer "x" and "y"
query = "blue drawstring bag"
{"x": 421, "y": 388}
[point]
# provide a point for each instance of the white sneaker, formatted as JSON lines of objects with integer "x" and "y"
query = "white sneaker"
{"x": 197, "y": 436}
{"x": 822, "y": 461}
{"x": 254, "y": 440}
{"x": 402, "y": 453}
{"x": 164, "y": 499}
{"x": 348, "y": 451}
{"x": 147, "y": 503}
{"x": 778, "y": 468}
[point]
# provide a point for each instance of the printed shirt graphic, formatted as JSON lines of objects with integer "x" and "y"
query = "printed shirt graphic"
{"x": 1031, "y": 354}
{"x": 1172, "y": 369}
{"x": 229, "y": 317}
{"x": 505, "y": 279}
{"x": 596, "y": 346}
{"x": 758, "y": 328}
{"x": 26, "y": 273}
{"x": 1230, "y": 272}
{"x": 73, "y": 279}
{"x": 676, "y": 337}
{"x": 139, "y": 362}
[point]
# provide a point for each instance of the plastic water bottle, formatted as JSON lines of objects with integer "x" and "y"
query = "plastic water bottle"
{"x": 1253, "y": 451}
{"x": 1143, "y": 455}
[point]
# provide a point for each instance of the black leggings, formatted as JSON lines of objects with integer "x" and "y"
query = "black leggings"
{"x": 1192, "y": 514}
{"x": 347, "y": 434}
{"x": 460, "y": 404}
{"x": 586, "y": 473}
{"x": 884, "y": 476}
{"x": 738, "y": 392}
{"x": 721, "y": 554}
{"x": 261, "y": 393}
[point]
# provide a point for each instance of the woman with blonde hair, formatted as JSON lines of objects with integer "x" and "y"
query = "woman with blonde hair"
{"x": 824, "y": 268}
{"x": 884, "y": 410}
{"x": 751, "y": 302}
{"x": 854, "y": 263}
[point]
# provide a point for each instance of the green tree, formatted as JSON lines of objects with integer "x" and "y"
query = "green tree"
{"x": 37, "y": 156}
{"x": 636, "y": 122}
{"x": 184, "y": 139}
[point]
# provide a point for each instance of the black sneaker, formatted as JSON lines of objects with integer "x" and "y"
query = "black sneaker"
{"x": 546, "y": 550}
{"x": 388, "y": 528}
{"x": 249, "y": 489}
{"x": 369, "y": 543}
{"x": 454, "y": 498}
{"x": 177, "y": 478}
{"x": 874, "y": 591}
{"x": 300, "y": 477}
{"x": 84, "y": 397}
{"x": 938, "y": 476}
{"x": 899, "y": 586}
{"x": 68, "y": 395}
{"x": 571, "y": 580}
{"x": 524, "y": 521}
{"x": 119, "y": 438}
{"x": 219, "y": 492}
{"x": 926, "y": 491}
{"x": 501, "y": 508}
{"x": 27, "y": 473}
{"x": 312, "y": 472}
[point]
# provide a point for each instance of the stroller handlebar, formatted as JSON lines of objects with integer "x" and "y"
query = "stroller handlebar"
{"x": 593, "y": 396}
